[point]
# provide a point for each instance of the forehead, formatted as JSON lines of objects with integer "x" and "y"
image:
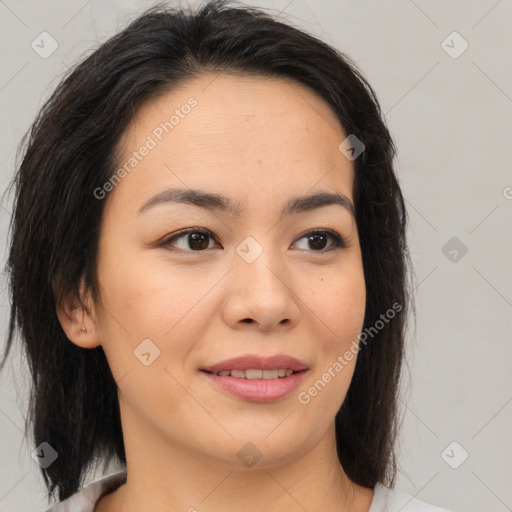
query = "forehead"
{"x": 222, "y": 132}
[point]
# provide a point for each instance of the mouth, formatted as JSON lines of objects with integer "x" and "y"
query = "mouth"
{"x": 254, "y": 374}
{"x": 258, "y": 367}
{"x": 255, "y": 378}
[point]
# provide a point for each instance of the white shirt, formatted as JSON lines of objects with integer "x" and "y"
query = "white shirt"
{"x": 384, "y": 499}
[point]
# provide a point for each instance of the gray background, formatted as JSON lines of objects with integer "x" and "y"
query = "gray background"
{"x": 451, "y": 120}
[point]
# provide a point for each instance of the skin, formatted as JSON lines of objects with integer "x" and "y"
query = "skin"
{"x": 259, "y": 141}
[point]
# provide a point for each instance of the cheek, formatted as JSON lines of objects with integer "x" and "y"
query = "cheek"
{"x": 156, "y": 303}
{"x": 339, "y": 304}
{"x": 151, "y": 299}
{"x": 149, "y": 294}
{"x": 341, "y": 311}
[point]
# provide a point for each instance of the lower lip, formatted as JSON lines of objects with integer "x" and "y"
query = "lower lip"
{"x": 257, "y": 390}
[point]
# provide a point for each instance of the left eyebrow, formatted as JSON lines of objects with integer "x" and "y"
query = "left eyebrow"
{"x": 218, "y": 202}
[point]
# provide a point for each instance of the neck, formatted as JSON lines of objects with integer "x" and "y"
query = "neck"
{"x": 164, "y": 477}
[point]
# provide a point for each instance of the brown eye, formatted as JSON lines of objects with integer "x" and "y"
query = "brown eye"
{"x": 195, "y": 240}
{"x": 318, "y": 239}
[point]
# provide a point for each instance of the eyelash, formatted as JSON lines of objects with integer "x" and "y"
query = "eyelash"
{"x": 339, "y": 241}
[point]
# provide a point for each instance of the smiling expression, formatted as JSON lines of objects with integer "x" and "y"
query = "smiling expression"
{"x": 262, "y": 259}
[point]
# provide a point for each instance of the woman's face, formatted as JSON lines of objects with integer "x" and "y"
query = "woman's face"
{"x": 251, "y": 283}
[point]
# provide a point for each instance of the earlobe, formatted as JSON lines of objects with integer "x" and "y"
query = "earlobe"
{"x": 78, "y": 322}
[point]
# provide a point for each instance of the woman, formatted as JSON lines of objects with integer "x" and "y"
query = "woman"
{"x": 208, "y": 270}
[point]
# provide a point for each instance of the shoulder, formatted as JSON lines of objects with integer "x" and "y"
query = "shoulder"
{"x": 394, "y": 500}
{"x": 85, "y": 500}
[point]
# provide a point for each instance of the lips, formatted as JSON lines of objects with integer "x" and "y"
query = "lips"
{"x": 254, "y": 362}
{"x": 257, "y": 378}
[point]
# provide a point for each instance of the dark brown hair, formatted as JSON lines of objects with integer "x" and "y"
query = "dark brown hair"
{"x": 70, "y": 151}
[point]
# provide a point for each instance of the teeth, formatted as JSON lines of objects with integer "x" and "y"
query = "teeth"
{"x": 270, "y": 374}
{"x": 253, "y": 373}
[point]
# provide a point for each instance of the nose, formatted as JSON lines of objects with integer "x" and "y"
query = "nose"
{"x": 261, "y": 295}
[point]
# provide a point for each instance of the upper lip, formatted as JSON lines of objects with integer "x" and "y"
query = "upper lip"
{"x": 249, "y": 361}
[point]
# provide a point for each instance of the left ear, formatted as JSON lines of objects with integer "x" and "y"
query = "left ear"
{"x": 77, "y": 318}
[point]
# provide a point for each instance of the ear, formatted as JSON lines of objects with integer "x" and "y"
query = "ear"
{"x": 77, "y": 318}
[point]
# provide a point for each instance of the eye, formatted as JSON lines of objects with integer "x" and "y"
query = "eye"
{"x": 318, "y": 238}
{"x": 197, "y": 239}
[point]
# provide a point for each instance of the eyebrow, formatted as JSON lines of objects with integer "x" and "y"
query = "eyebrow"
{"x": 220, "y": 203}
